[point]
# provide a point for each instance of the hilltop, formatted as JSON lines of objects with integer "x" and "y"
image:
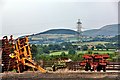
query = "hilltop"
{"x": 108, "y": 30}
{"x": 59, "y": 31}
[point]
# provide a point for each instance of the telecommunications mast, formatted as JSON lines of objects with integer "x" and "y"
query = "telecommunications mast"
{"x": 79, "y": 31}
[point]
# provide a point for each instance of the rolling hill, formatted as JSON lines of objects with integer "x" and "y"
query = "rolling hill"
{"x": 108, "y": 30}
{"x": 59, "y": 31}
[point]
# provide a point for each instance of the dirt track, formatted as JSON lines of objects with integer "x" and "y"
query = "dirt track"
{"x": 61, "y": 76}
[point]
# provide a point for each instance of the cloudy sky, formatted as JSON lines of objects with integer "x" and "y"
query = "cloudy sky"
{"x": 20, "y": 17}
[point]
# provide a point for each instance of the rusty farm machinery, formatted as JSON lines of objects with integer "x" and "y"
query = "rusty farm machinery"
{"x": 16, "y": 55}
{"x": 94, "y": 62}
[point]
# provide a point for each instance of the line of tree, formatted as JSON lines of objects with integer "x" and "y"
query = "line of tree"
{"x": 43, "y": 51}
{"x": 66, "y": 46}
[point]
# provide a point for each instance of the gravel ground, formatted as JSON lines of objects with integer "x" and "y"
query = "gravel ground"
{"x": 61, "y": 76}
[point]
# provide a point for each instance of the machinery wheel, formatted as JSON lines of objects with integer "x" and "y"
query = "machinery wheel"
{"x": 104, "y": 68}
{"x": 99, "y": 68}
{"x": 21, "y": 68}
{"x": 87, "y": 67}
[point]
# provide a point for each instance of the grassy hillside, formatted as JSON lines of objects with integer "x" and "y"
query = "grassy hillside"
{"x": 107, "y": 30}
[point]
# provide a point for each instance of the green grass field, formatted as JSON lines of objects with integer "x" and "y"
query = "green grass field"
{"x": 95, "y": 43}
{"x": 91, "y": 43}
{"x": 58, "y": 53}
{"x": 83, "y": 52}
